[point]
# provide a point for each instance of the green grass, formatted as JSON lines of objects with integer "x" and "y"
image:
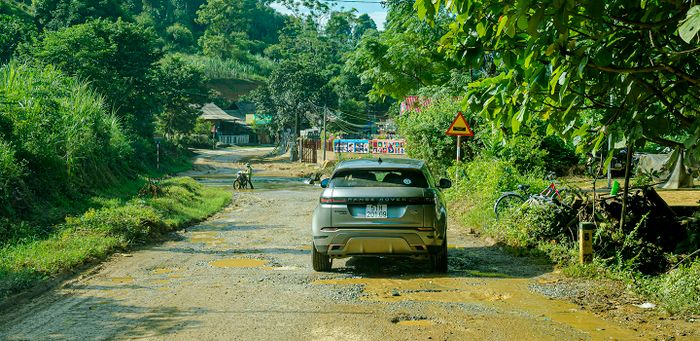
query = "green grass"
{"x": 97, "y": 233}
{"x": 254, "y": 68}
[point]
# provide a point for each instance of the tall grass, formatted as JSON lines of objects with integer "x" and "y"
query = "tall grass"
{"x": 252, "y": 68}
{"x": 58, "y": 137}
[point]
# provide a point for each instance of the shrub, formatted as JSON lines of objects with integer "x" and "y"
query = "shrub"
{"x": 679, "y": 290}
{"x": 130, "y": 223}
{"x": 482, "y": 182}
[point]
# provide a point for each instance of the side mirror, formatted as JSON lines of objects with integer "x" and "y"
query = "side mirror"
{"x": 324, "y": 182}
{"x": 444, "y": 183}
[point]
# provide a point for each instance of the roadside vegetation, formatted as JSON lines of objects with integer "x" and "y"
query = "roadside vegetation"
{"x": 541, "y": 94}
{"x": 117, "y": 225}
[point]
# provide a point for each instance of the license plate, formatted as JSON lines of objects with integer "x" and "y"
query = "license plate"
{"x": 376, "y": 211}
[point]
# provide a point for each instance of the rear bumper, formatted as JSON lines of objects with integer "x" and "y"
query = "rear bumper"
{"x": 356, "y": 242}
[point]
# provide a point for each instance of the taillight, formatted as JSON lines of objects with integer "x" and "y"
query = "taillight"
{"x": 325, "y": 200}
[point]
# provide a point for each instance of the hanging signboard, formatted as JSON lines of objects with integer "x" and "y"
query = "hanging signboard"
{"x": 351, "y": 146}
{"x": 388, "y": 147}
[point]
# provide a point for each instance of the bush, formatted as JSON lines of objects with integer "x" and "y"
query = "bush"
{"x": 130, "y": 223}
{"x": 679, "y": 290}
{"x": 482, "y": 182}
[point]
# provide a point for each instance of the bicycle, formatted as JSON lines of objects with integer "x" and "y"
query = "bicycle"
{"x": 509, "y": 201}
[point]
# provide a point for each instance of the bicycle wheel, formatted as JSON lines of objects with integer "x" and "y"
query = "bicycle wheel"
{"x": 507, "y": 203}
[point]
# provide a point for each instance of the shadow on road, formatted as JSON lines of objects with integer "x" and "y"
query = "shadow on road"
{"x": 486, "y": 261}
{"x": 91, "y": 317}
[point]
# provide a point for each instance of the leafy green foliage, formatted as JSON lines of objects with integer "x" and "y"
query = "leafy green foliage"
{"x": 554, "y": 60}
{"x": 403, "y": 58}
{"x": 236, "y": 28}
{"x": 56, "y": 14}
{"x": 63, "y": 133}
{"x": 97, "y": 233}
{"x": 14, "y": 31}
{"x": 295, "y": 94}
{"x": 679, "y": 290}
{"x": 183, "y": 90}
{"x": 481, "y": 182}
{"x": 424, "y": 131}
{"x": 118, "y": 58}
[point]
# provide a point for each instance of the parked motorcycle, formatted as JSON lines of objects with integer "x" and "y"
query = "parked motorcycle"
{"x": 244, "y": 178}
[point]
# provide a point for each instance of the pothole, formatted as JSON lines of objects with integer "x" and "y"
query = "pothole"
{"x": 238, "y": 263}
{"x": 412, "y": 321}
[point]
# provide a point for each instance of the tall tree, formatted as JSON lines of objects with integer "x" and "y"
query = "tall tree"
{"x": 55, "y": 14}
{"x": 118, "y": 58}
{"x": 182, "y": 87}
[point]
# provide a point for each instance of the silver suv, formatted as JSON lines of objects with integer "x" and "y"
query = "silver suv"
{"x": 380, "y": 208}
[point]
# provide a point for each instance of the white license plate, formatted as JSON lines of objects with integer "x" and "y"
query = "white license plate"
{"x": 376, "y": 211}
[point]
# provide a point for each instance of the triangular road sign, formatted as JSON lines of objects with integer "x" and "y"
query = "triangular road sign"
{"x": 459, "y": 127}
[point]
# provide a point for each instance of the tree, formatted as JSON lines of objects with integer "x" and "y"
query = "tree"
{"x": 403, "y": 58}
{"x": 13, "y": 32}
{"x": 182, "y": 88}
{"x": 363, "y": 24}
{"x": 53, "y": 14}
{"x": 295, "y": 94}
{"x": 237, "y": 27}
{"x": 558, "y": 60}
{"x": 118, "y": 58}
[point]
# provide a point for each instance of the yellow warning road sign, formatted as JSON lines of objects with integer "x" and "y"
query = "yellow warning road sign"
{"x": 459, "y": 127}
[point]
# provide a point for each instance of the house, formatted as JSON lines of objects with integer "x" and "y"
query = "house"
{"x": 226, "y": 128}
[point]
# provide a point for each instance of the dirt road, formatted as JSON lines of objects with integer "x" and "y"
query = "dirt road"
{"x": 245, "y": 274}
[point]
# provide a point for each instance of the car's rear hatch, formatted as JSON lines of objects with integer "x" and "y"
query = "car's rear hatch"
{"x": 385, "y": 207}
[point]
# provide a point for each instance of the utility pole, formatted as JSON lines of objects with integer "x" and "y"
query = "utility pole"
{"x": 325, "y": 134}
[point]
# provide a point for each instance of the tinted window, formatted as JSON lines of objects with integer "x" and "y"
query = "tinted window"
{"x": 379, "y": 178}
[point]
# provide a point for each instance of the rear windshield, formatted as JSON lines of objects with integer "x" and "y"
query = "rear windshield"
{"x": 379, "y": 178}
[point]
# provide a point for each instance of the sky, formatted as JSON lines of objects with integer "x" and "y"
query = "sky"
{"x": 373, "y": 9}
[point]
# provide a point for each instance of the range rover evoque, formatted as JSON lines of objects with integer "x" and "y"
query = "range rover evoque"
{"x": 375, "y": 207}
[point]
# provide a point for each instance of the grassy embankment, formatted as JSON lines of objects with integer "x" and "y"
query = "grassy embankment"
{"x": 117, "y": 220}
{"x": 535, "y": 231}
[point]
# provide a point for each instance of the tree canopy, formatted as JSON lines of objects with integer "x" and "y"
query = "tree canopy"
{"x": 589, "y": 69}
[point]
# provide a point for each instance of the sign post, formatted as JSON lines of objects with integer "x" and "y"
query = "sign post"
{"x": 459, "y": 128}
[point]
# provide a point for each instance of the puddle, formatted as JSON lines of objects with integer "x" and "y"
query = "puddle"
{"x": 507, "y": 294}
{"x": 161, "y": 271}
{"x": 238, "y": 263}
{"x": 259, "y": 182}
{"x": 416, "y": 323}
{"x": 122, "y": 280}
{"x": 210, "y": 239}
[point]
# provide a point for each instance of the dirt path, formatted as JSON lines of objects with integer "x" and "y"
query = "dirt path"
{"x": 246, "y": 274}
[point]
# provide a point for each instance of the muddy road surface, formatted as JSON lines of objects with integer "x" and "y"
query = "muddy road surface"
{"x": 245, "y": 274}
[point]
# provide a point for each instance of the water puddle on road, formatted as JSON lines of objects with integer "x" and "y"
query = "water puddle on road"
{"x": 122, "y": 280}
{"x": 210, "y": 239}
{"x": 238, "y": 263}
{"x": 161, "y": 271}
{"x": 506, "y": 294}
{"x": 416, "y": 323}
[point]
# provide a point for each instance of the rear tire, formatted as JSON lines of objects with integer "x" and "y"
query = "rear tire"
{"x": 439, "y": 259}
{"x": 320, "y": 262}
